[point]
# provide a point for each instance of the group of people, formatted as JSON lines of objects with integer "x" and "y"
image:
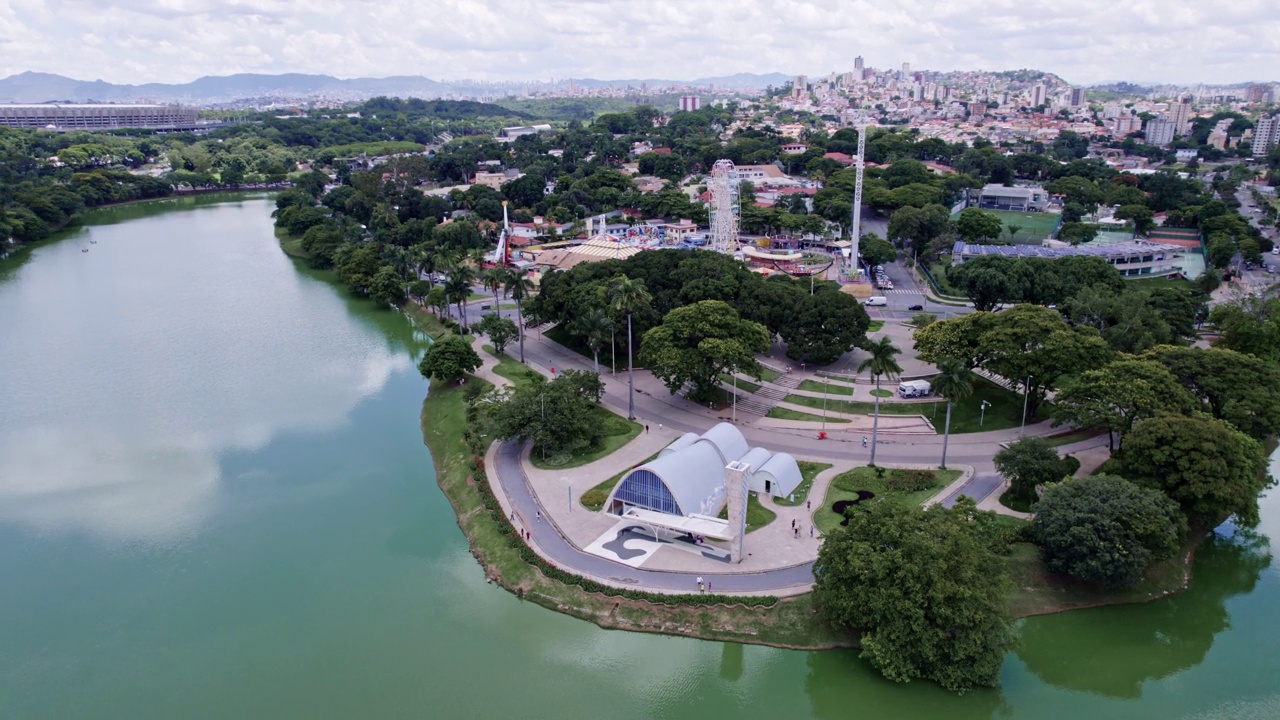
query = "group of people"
{"x": 796, "y": 525}
{"x": 703, "y": 586}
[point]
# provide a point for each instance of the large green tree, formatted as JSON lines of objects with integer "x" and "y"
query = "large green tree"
{"x": 695, "y": 343}
{"x": 975, "y": 225}
{"x": 1121, "y": 393}
{"x": 501, "y": 331}
{"x": 1027, "y": 344}
{"x": 1208, "y": 467}
{"x": 1105, "y": 529}
{"x": 924, "y": 592}
{"x": 824, "y": 326}
{"x": 448, "y": 359}
{"x": 1028, "y": 463}
{"x": 559, "y": 416}
{"x": 1241, "y": 389}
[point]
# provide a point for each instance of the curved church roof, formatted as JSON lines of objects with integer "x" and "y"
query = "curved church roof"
{"x": 728, "y": 440}
{"x": 783, "y": 471}
{"x": 692, "y": 478}
{"x": 681, "y": 443}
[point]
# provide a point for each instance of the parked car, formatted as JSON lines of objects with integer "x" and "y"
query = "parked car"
{"x": 916, "y": 308}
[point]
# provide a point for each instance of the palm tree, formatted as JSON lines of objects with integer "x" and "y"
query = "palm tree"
{"x": 519, "y": 286}
{"x": 493, "y": 278}
{"x": 596, "y": 326}
{"x": 954, "y": 382}
{"x": 881, "y": 362}
{"x": 627, "y": 296}
{"x": 458, "y": 288}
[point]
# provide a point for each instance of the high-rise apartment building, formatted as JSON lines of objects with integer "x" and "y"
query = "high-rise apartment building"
{"x": 689, "y": 103}
{"x": 800, "y": 86}
{"x": 1160, "y": 131}
{"x": 906, "y": 69}
{"x": 1266, "y": 134}
{"x": 1125, "y": 124}
{"x": 857, "y": 63}
{"x": 1037, "y": 96}
{"x": 1180, "y": 116}
{"x": 1078, "y": 97}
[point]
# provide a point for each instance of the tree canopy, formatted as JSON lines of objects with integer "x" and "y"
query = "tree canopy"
{"x": 1028, "y": 463}
{"x": 696, "y": 342}
{"x": 448, "y": 359}
{"x": 1208, "y": 467}
{"x": 923, "y": 590}
{"x": 1105, "y": 529}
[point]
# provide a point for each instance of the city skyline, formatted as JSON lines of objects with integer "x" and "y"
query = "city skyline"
{"x": 1083, "y": 41}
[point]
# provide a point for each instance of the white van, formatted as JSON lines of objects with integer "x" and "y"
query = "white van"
{"x": 877, "y": 300}
{"x": 914, "y": 388}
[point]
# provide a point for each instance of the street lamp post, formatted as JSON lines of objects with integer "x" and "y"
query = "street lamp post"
{"x": 982, "y": 415}
{"x": 825, "y": 385}
{"x": 1026, "y": 393}
{"x": 735, "y": 396}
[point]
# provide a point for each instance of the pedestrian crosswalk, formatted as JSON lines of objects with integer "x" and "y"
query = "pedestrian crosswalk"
{"x": 898, "y": 291}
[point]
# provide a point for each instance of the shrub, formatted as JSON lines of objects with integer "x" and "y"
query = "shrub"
{"x": 911, "y": 480}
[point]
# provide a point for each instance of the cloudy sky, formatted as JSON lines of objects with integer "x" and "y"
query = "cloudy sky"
{"x": 1084, "y": 41}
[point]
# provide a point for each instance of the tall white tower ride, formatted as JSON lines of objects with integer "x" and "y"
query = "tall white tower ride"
{"x": 856, "y": 233}
{"x": 724, "y": 207}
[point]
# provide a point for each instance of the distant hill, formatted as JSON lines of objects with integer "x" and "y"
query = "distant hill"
{"x": 34, "y": 87}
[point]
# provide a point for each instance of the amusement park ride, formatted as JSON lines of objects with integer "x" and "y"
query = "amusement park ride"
{"x": 723, "y": 236}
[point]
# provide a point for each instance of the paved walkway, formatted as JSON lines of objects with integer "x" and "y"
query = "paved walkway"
{"x": 547, "y": 501}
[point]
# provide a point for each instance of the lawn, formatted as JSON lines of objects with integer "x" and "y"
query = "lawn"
{"x": 875, "y": 326}
{"x": 1072, "y": 437}
{"x": 1004, "y": 412}
{"x": 729, "y": 380}
{"x": 1035, "y": 590}
{"x": 757, "y": 515}
{"x": 808, "y": 471}
{"x": 562, "y": 336}
{"x": 1161, "y": 283}
{"x": 518, "y": 374}
{"x": 1033, "y": 227}
{"x": 618, "y": 431}
{"x": 833, "y": 388}
{"x": 595, "y": 498}
{"x": 1008, "y": 500}
{"x": 769, "y": 374}
{"x": 781, "y": 413}
{"x": 846, "y": 485}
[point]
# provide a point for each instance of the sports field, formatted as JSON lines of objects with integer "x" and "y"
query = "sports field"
{"x": 1032, "y": 226}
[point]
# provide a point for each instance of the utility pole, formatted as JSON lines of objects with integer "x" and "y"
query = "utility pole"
{"x": 1026, "y": 393}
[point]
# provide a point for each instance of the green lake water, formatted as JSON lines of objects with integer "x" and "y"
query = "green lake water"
{"x": 215, "y": 503}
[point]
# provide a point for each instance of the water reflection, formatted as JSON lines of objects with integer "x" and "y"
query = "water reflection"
{"x": 124, "y": 387}
{"x": 841, "y": 686}
{"x": 732, "y": 662}
{"x": 1114, "y": 651}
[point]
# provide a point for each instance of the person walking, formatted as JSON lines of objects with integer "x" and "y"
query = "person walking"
{"x": 864, "y": 441}
{"x": 699, "y": 583}
{"x": 538, "y": 514}
{"x": 708, "y": 586}
{"x": 646, "y": 429}
{"x": 808, "y": 504}
{"x": 810, "y": 531}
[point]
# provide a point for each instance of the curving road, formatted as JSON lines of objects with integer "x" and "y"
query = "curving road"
{"x": 559, "y": 552}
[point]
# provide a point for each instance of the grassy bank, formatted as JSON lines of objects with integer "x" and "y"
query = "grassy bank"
{"x": 1003, "y": 412}
{"x": 781, "y": 413}
{"x": 1036, "y": 591}
{"x": 831, "y": 388}
{"x": 846, "y": 485}
{"x": 808, "y": 471}
{"x": 785, "y": 623}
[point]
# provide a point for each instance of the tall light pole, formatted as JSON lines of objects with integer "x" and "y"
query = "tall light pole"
{"x": 982, "y": 415}
{"x": 1026, "y": 393}
{"x": 735, "y": 396}
{"x": 825, "y": 380}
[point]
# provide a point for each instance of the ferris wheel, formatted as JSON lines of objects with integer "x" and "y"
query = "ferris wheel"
{"x": 724, "y": 207}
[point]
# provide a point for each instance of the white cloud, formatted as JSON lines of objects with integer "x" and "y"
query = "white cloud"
{"x": 1081, "y": 40}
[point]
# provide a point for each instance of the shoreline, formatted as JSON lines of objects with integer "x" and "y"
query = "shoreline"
{"x": 788, "y": 623}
